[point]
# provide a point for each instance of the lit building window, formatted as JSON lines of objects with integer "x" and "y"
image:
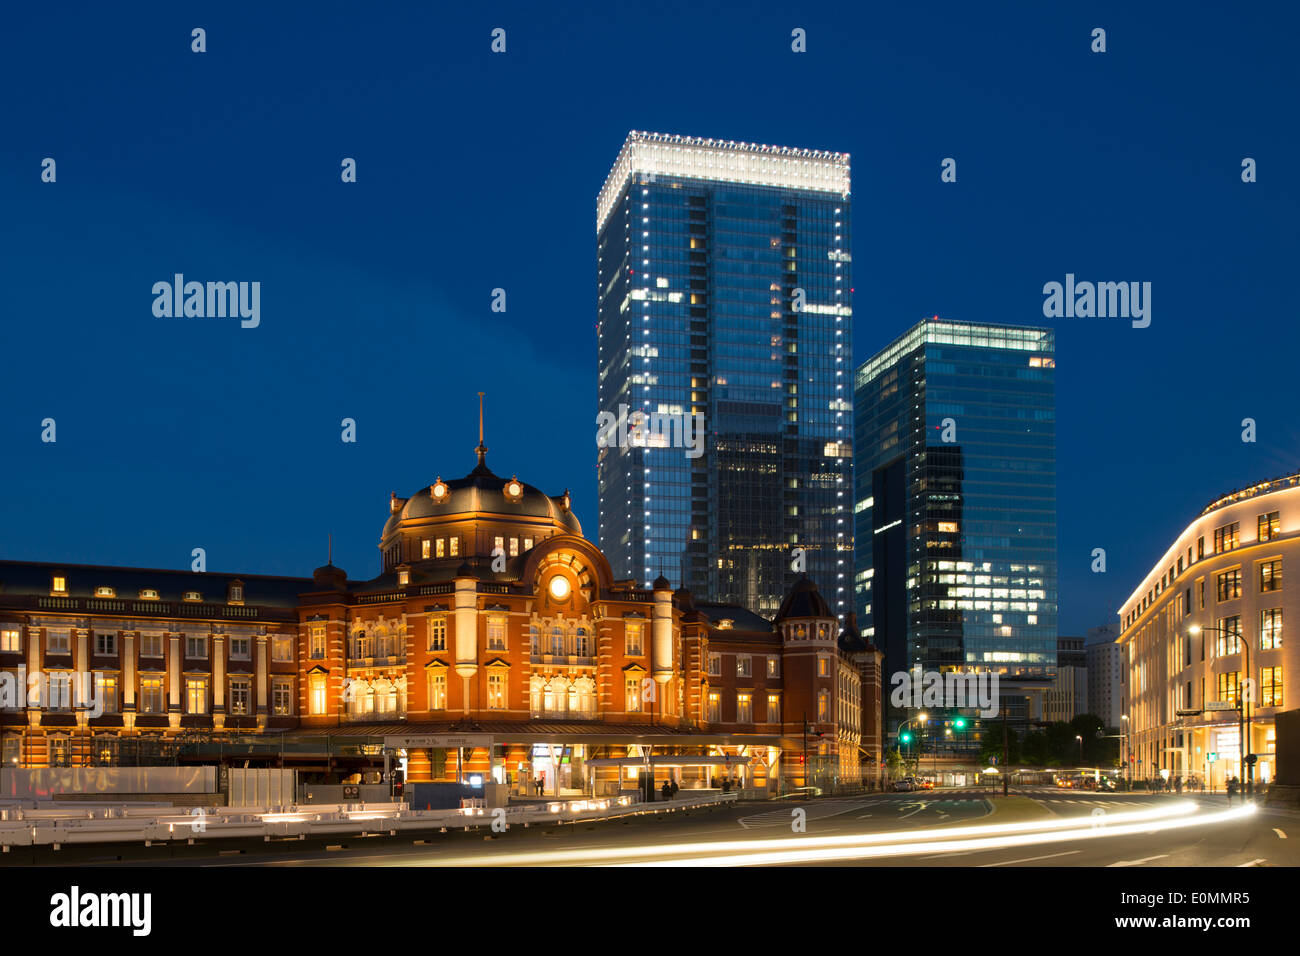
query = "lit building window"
{"x": 282, "y": 696}
{"x": 773, "y": 666}
{"x": 823, "y": 705}
{"x": 1270, "y": 628}
{"x": 106, "y": 691}
{"x": 744, "y": 708}
{"x": 1270, "y": 685}
{"x": 442, "y": 547}
{"x": 496, "y": 633}
{"x": 437, "y": 690}
{"x": 437, "y": 633}
{"x": 1268, "y": 526}
{"x": 59, "y": 584}
{"x": 714, "y": 713}
{"x": 773, "y": 708}
{"x": 1270, "y": 576}
{"x": 196, "y": 695}
{"x": 151, "y": 695}
{"x": 633, "y": 687}
{"x": 316, "y": 638}
{"x": 281, "y": 648}
{"x": 744, "y": 666}
{"x": 236, "y": 594}
{"x": 316, "y": 700}
{"x": 239, "y": 688}
{"x": 496, "y": 691}
{"x": 425, "y": 549}
{"x": 632, "y": 638}
{"x": 10, "y": 640}
{"x": 715, "y": 665}
{"x": 454, "y": 545}
{"x": 104, "y": 592}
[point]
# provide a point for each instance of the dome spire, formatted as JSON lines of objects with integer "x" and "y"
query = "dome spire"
{"x": 481, "y": 450}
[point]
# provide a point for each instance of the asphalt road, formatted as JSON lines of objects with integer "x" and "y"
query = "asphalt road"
{"x": 1036, "y": 827}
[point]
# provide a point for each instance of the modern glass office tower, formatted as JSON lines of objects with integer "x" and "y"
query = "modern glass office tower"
{"x": 955, "y": 499}
{"x": 723, "y": 285}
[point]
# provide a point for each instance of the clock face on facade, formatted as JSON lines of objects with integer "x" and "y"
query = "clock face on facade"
{"x": 559, "y": 587}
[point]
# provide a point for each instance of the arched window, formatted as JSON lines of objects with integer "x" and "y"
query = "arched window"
{"x": 557, "y": 641}
{"x": 584, "y": 698}
{"x": 582, "y": 643}
{"x": 535, "y": 689}
{"x": 385, "y": 696}
{"x": 534, "y": 640}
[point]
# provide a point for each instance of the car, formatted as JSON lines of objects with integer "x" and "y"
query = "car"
{"x": 904, "y": 785}
{"x": 1106, "y": 784}
{"x": 927, "y": 784}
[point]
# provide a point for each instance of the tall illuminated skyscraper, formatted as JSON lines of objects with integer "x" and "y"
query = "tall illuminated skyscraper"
{"x": 724, "y": 288}
{"x": 955, "y": 500}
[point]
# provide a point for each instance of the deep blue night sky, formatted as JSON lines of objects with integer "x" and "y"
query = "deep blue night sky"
{"x": 478, "y": 171}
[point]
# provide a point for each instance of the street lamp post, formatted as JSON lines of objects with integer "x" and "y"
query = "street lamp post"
{"x": 1246, "y": 759}
{"x": 1128, "y": 778}
{"x": 1079, "y": 737}
{"x": 922, "y": 718}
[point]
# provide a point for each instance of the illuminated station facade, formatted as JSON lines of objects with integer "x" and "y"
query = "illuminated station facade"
{"x": 495, "y": 643}
{"x": 1206, "y": 633}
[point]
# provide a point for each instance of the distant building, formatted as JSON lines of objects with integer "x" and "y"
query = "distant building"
{"x": 1107, "y": 676}
{"x": 1068, "y": 697}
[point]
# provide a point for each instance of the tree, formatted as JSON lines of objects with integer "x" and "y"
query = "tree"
{"x": 894, "y": 763}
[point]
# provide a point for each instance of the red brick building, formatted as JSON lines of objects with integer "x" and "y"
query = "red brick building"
{"x": 494, "y": 642}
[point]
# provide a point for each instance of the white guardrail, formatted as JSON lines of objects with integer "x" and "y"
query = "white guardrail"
{"x": 56, "y": 826}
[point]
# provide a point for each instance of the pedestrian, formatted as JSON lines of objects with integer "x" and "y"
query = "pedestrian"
{"x": 1178, "y": 785}
{"x": 1232, "y": 789}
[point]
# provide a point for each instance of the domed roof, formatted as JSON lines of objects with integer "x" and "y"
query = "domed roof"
{"x": 804, "y": 600}
{"x": 484, "y": 492}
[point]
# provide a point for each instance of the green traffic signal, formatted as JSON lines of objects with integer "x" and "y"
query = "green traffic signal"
{"x": 905, "y": 737}
{"x": 960, "y": 723}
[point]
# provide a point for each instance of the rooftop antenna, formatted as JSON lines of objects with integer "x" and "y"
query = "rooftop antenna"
{"x": 331, "y": 552}
{"x": 482, "y": 448}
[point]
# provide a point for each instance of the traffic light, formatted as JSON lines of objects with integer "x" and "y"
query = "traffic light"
{"x": 959, "y": 723}
{"x": 905, "y": 737}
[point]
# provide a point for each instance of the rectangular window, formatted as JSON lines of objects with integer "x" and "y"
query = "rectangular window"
{"x": 773, "y": 708}
{"x": 106, "y": 692}
{"x": 1228, "y": 585}
{"x": 1201, "y": 587}
{"x": 715, "y": 708}
{"x": 316, "y": 700}
{"x": 241, "y": 648}
{"x": 454, "y": 546}
{"x": 632, "y": 638}
{"x": 151, "y": 695}
{"x": 1268, "y": 526}
{"x": 514, "y": 547}
{"x": 437, "y": 690}
{"x": 823, "y": 667}
{"x": 60, "y": 751}
{"x": 773, "y": 666}
{"x": 1200, "y": 547}
{"x": 715, "y": 665}
{"x": 60, "y": 691}
{"x": 1270, "y": 575}
{"x": 60, "y": 584}
{"x": 437, "y": 633}
{"x": 58, "y": 642}
{"x": 1226, "y": 686}
{"x": 528, "y": 544}
{"x": 744, "y": 668}
{"x": 10, "y": 641}
{"x": 239, "y": 688}
{"x": 1225, "y": 538}
{"x": 1270, "y": 628}
{"x": 498, "y": 545}
{"x": 582, "y": 643}
{"x": 281, "y": 648}
{"x": 633, "y": 687}
{"x": 744, "y": 708}
{"x": 823, "y": 706}
{"x": 151, "y": 645}
{"x": 496, "y": 691}
{"x": 105, "y": 643}
{"x": 1228, "y": 637}
{"x": 196, "y": 695}
{"x": 316, "y": 638}
{"x": 197, "y": 648}
{"x": 1270, "y": 687}
{"x": 282, "y": 696}
{"x": 496, "y": 634}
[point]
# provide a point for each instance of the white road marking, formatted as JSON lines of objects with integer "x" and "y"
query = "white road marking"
{"x": 1030, "y": 859}
{"x": 1280, "y": 834}
{"x": 1251, "y": 863}
{"x": 1145, "y": 859}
